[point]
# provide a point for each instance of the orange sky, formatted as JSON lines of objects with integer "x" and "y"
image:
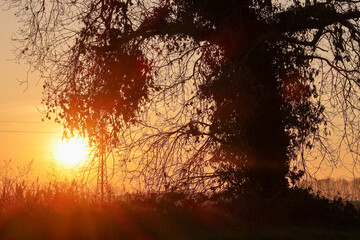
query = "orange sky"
{"x": 23, "y": 136}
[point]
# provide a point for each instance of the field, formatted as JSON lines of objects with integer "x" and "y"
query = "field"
{"x": 67, "y": 211}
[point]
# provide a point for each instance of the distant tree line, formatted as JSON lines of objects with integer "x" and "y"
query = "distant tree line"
{"x": 347, "y": 189}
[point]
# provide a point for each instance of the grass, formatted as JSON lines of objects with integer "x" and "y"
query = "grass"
{"x": 121, "y": 221}
{"x": 69, "y": 210}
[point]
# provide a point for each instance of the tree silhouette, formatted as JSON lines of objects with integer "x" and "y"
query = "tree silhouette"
{"x": 206, "y": 93}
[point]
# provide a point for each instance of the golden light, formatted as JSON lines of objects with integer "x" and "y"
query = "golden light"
{"x": 72, "y": 152}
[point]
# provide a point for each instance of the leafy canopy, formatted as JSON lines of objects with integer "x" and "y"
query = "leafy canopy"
{"x": 201, "y": 93}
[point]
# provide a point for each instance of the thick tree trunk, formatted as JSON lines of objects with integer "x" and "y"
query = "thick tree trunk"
{"x": 267, "y": 140}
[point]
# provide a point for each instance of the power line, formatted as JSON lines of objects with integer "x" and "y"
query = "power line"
{"x": 12, "y": 131}
{"x": 27, "y": 122}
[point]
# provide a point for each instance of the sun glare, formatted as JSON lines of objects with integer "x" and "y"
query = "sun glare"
{"x": 71, "y": 152}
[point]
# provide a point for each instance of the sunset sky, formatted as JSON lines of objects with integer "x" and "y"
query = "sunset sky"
{"x": 23, "y": 136}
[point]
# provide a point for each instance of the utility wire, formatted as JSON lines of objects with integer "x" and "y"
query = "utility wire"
{"x": 20, "y": 122}
{"x": 22, "y": 131}
{"x": 12, "y": 131}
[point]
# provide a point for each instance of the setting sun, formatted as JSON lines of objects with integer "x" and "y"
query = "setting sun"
{"x": 71, "y": 152}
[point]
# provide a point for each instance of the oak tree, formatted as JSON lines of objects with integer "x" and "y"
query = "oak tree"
{"x": 201, "y": 94}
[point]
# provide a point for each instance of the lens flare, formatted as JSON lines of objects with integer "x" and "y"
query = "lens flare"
{"x": 72, "y": 152}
